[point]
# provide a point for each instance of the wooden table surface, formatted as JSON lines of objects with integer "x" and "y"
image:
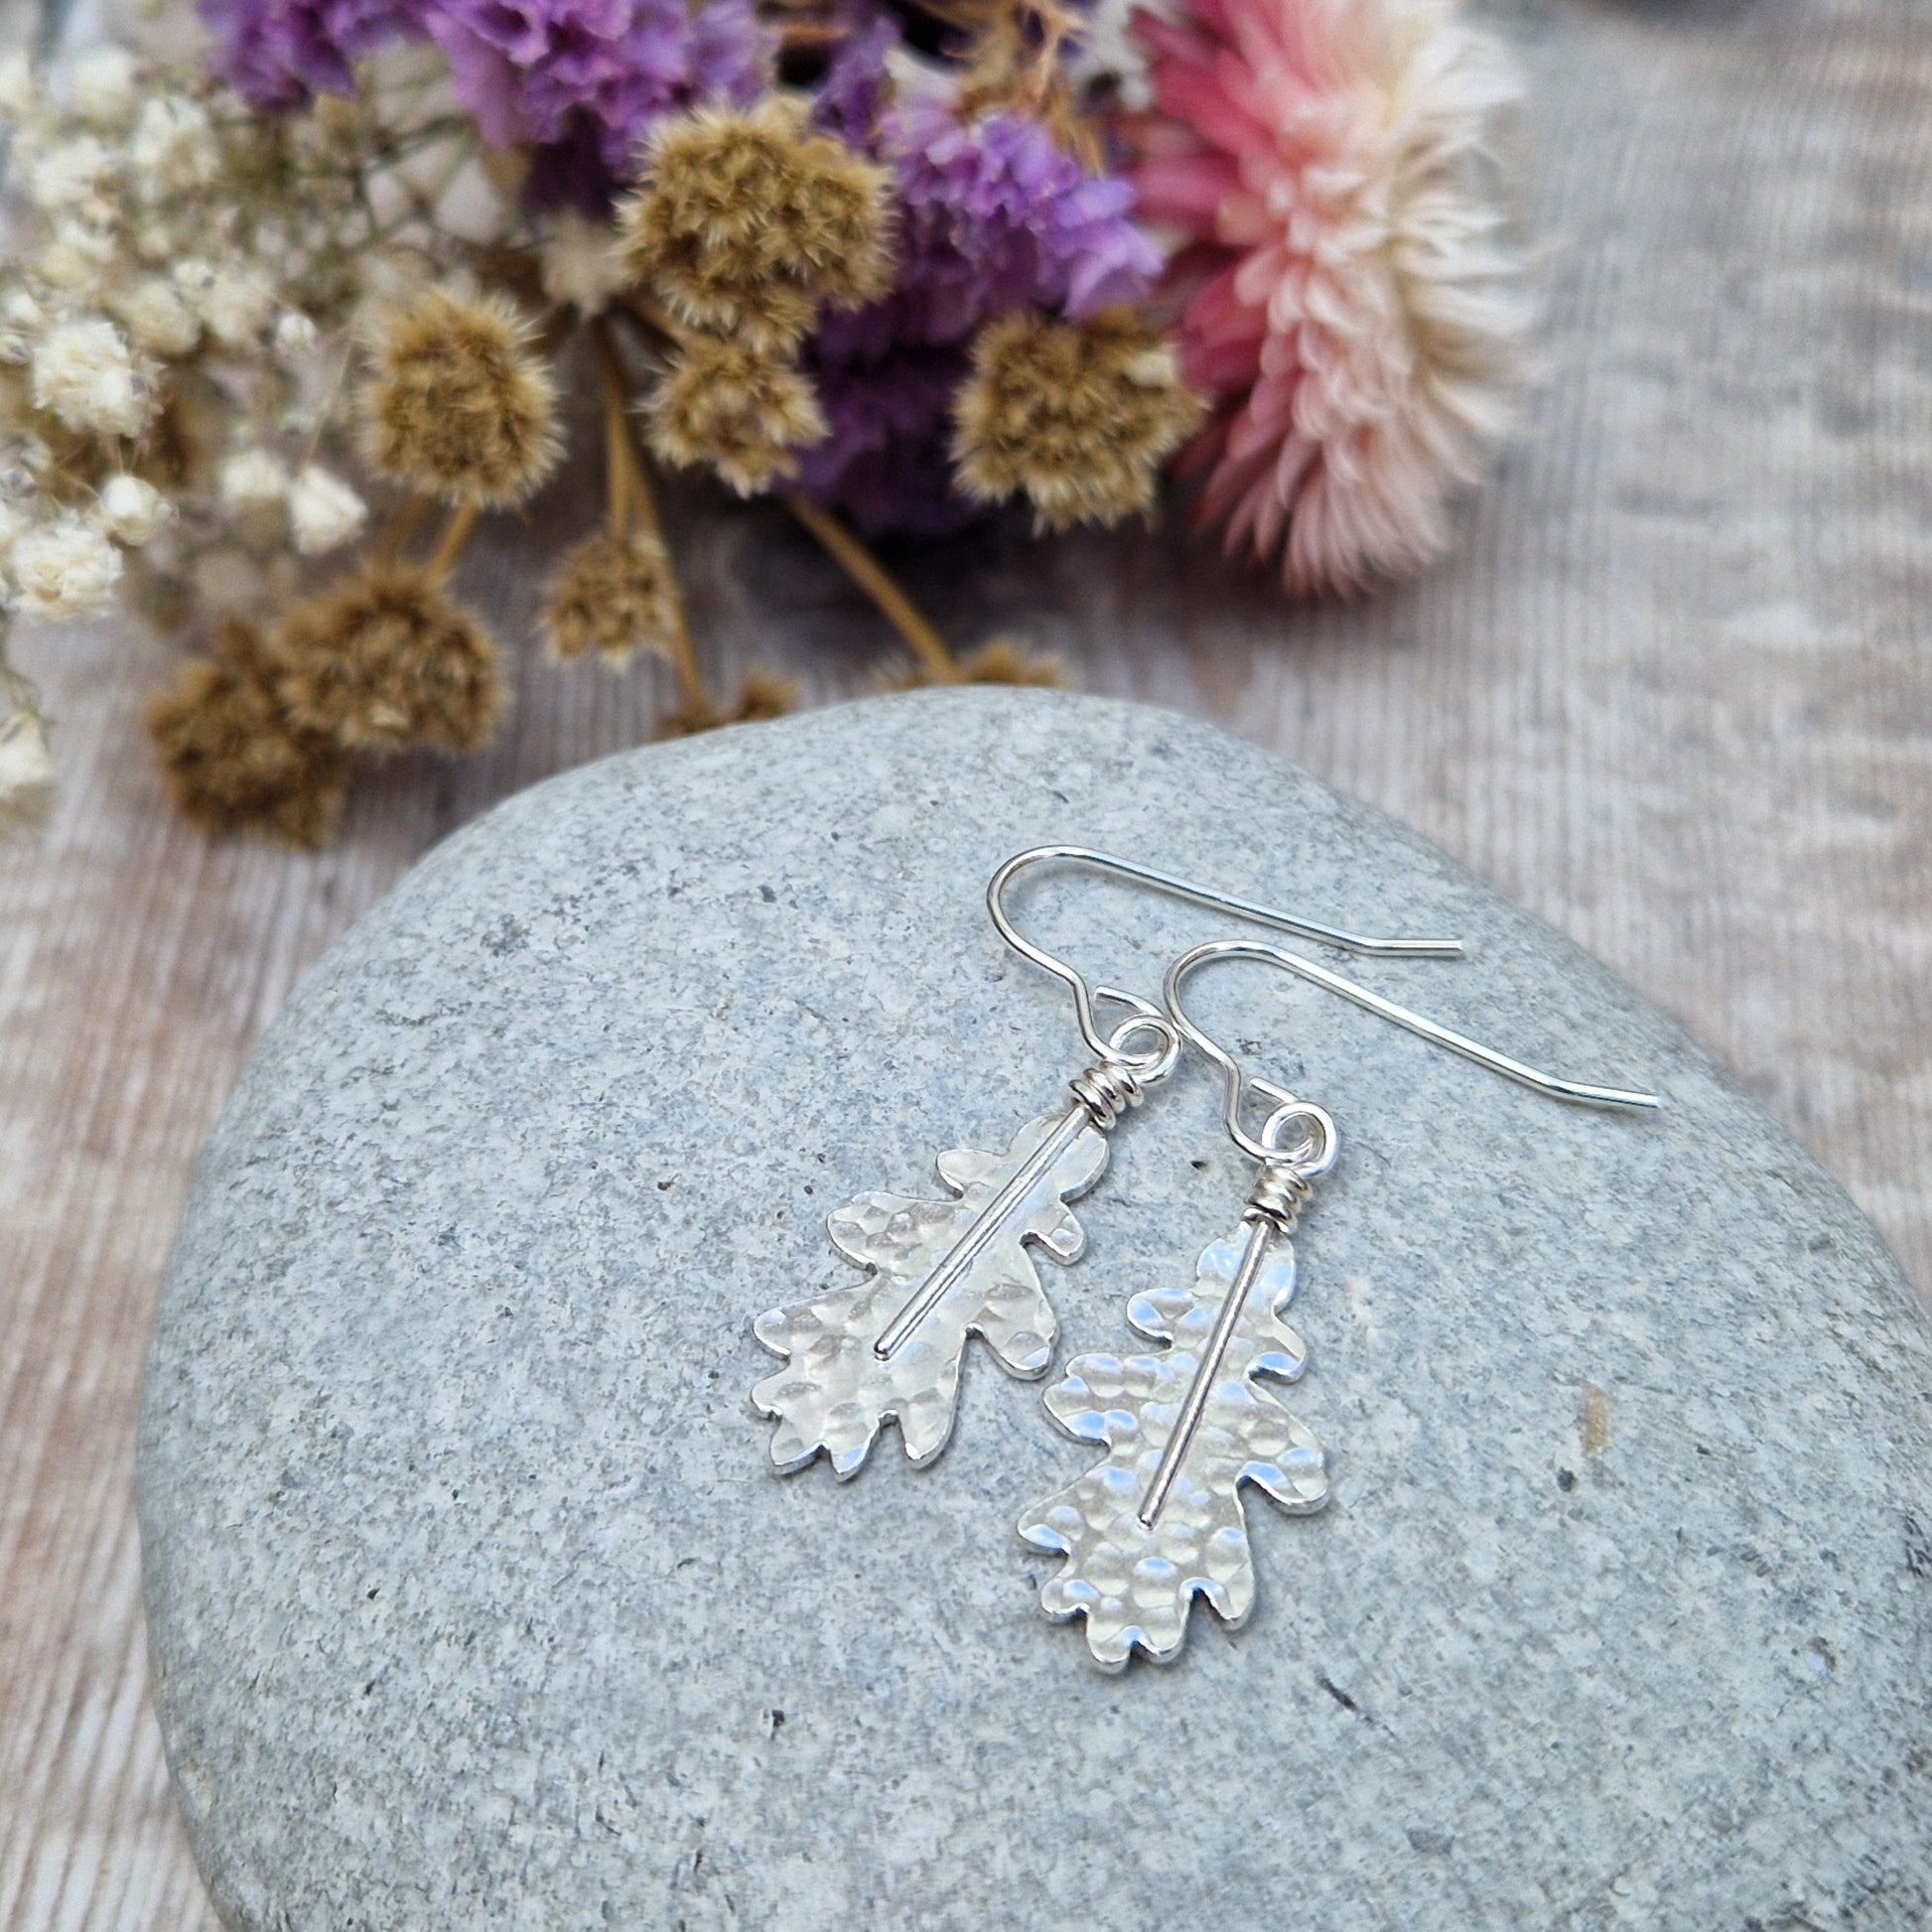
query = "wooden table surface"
{"x": 1674, "y": 692}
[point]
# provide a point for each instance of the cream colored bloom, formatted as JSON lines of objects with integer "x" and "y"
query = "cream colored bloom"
{"x": 579, "y": 264}
{"x": 19, "y": 310}
{"x": 159, "y": 316}
{"x": 172, "y": 150}
{"x": 85, "y": 372}
{"x": 132, "y": 511}
{"x": 295, "y": 335}
{"x": 253, "y": 478}
{"x": 67, "y": 175}
{"x": 64, "y": 569}
{"x": 26, "y": 774}
{"x": 103, "y": 83}
{"x": 79, "y": 259}
{"x": 238, "y": 305}
{"x": 324, "y": 511}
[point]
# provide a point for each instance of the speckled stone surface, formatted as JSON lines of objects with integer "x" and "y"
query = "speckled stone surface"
{"x": 472, "y": 1602}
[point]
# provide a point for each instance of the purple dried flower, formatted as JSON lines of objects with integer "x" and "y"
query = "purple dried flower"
{"x": 994, "y": 215}
{"x": 851, "y": 99}
{"x": 278, "y": 54}
{"x": 887, "y": 461}
{"x": 541, "y": 72}
{"x": 998, "y": 215}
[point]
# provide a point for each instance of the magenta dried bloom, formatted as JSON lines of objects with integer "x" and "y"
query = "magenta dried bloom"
{"x": 278, "y": 54}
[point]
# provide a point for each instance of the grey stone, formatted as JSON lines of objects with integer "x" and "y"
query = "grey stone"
{"x": 472, "y": 1602}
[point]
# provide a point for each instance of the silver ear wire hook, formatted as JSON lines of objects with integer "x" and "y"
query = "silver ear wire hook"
{"x": 1149, "y": 1017}
{"x": 1189, "y": 963}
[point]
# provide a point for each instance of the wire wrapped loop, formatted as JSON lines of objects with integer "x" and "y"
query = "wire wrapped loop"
{"x": 1278, "y": 1195}
{"x": 1107, "y": 1090}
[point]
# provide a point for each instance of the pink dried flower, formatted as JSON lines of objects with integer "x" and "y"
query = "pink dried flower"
{"x": 1355, "y": 305}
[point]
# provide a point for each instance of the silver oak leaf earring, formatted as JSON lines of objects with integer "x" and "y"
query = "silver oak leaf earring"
{"x": 890, "y": 1347}
{"x": 1159, "y": 1521}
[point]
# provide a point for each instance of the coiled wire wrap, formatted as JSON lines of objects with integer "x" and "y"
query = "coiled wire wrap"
{"x": 1107, "y": 1090}
{"x": 1278, "y": 1195}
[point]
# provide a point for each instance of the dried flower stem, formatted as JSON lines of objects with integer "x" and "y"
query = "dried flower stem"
{"x": 401, "y": 524}
{"x": 449, "y": 546}
{"x": 864, "y": 569}
{"x": 630, "y": 486}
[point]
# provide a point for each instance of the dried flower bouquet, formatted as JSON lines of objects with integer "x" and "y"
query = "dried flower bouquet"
{"x": 283, "y": 316}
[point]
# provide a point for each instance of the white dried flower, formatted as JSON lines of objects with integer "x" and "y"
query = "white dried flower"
{"x": 26, "y": 776}
{"x": 85, "y": 373}
{"x": 172, "y": 149}
{"x": 102, "y": 83}
{"x": 238, "y": 305}
{"x": 20, "y": 90}
{"x": 78, "y": 260}
{"x": 64, "y": 569}
{"x": 194, "y": 277}
{"x": 67, "y": 176}
{"x": 324, "y": 511}
{"x": 295, "y": 335}
{"x": 579, "y": 265}
{"x": 132, "y": 511}
{"x": 159, "y": 316}
{"x": 252, "y": 479}
{"x": 19, "y": 310}
{"x": 156, "y": 241}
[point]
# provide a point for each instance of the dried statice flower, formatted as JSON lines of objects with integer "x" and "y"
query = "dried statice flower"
{"x": 132, "y": 511}
{"x": 458, "y": 404}
{"x": 279, "y": 54}
{"x": 744, "y": 222}
{"x": 85, "y": 371}
{"x": 1363, "y": 336}
{"x": 386, "y": 660}
{"x": 998, "y": 216}
{"x": 64, "y": 569}
{"x": 995, "y": 217}
{"x": 26, "y": 783}
{"x": 540, "y": 72}
{"x": 231, "y": 756}
{"x": 324, "y": 511}
{"x": 887, "y": 462}
{"x": 613, "y": 593}
{"x": 1076, "y": 416}
{"x": 743, "y": 413}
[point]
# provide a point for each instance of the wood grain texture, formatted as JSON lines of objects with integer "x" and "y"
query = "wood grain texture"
{"x": 1673, "y": 693}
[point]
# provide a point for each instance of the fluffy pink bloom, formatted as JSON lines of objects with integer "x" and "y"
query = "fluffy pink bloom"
{"x": 1354, "y": 306}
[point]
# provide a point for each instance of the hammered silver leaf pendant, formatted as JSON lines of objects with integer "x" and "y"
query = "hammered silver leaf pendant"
{"x": 1159, "y": 1522}
{"x": 889, "y": 1348}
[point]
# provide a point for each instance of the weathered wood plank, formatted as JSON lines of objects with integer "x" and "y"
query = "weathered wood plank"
{"x": 1674, "y": 693}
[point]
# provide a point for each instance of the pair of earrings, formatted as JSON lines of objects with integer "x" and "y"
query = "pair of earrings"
{"x": 1160, "y": 1519}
